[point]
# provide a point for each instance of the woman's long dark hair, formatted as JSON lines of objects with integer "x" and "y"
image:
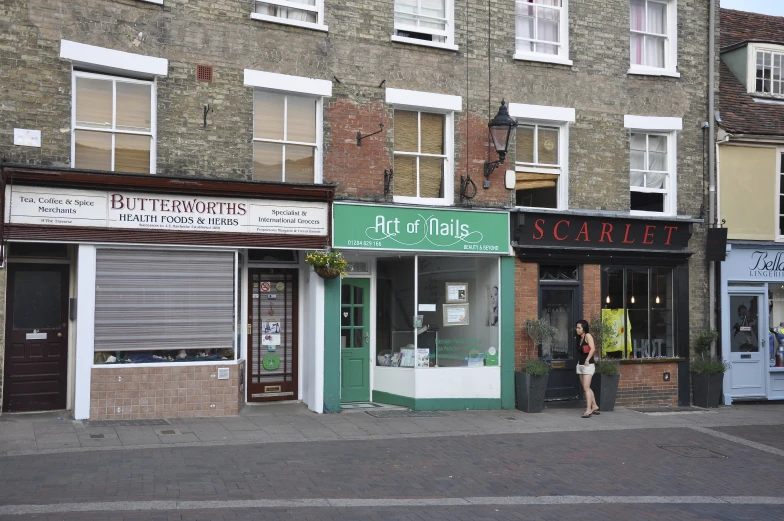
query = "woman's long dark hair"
{"x": 586, "y": 327}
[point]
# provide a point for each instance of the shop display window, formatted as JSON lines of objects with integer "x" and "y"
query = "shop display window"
{"x": 154, "y": 306}
{"x": 435, "y": 312}
{"x": 638, "y": 304}
{"x": 776, "y": 323}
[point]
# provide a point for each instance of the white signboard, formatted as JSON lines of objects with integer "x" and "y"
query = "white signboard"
{"x": 62, "y": 207}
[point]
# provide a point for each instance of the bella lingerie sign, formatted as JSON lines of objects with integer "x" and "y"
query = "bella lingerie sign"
{"x": 578, "y": 232}
{"x": 140, "y": 211}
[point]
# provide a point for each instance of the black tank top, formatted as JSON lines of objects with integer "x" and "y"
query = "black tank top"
{"x": 583, "y": 356}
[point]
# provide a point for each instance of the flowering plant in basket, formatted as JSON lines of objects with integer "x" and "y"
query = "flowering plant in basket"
{"x": 327, "y": 263}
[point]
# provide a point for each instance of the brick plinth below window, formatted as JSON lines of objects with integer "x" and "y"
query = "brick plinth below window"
{"x": 643, "y": 385}
{"x": 126, "y": 393}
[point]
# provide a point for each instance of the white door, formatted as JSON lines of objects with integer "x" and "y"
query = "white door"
{"x": 748, "y": 336}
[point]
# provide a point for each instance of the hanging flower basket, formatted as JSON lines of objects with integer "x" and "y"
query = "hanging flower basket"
{"x": 328, "y": 263}
{"x": 327, "y": 273}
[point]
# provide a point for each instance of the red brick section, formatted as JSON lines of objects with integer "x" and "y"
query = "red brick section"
{"x": 526, "y": 306}
{"x": 473, "y": 147}
{"x": 357, "y": 170}
{"x": 642, "y": 385}
{"x": 164, "y": 392}
{"x": 592, "y": 291}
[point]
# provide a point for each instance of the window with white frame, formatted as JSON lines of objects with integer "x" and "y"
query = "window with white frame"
{"x": 541, "y": 155}
{"x": 769, "y": 67}
{"x": 424, "y": 21}
{"x": 653, "y": 36}
{"x": 113, "y": 123}
{"x": 651, "y": 178}
{"x": 781, "y": 194}
{"x": 541, "y": 30}
{"x": 423, "y": 150}
{"x": 304, "y": 13}
{"x": 285, "y": 144}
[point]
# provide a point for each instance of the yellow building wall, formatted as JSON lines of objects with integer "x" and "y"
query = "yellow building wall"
{"x": 748, "y": 188}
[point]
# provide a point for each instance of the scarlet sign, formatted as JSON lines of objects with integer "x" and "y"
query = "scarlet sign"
{"x": 575, "y": 231}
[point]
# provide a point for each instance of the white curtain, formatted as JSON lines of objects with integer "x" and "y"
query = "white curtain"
{"x": 287, "y": 12}
{"x": 657, "y": 160}
{"x": 547, "y": 22}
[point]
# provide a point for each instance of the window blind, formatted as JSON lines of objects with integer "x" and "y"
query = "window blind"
{"x": 164, "y": 299}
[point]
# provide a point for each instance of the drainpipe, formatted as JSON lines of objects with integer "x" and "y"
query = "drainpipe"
{"x": 712, "y": 160}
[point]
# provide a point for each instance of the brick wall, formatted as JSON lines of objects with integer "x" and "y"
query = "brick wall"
{"x": 164, "y": 392}
{"x": 592, "y": 291}
{"x": 642, "y": 384}
{"x": 526, "y": 307}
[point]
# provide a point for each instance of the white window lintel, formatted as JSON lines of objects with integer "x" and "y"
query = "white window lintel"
{"x": 109, "y": 59}
{"x": 542, "y": 112}
{"x": 286, "y": 83}
{"x": 424, "y": 100}
{"x": 654, "y": 123}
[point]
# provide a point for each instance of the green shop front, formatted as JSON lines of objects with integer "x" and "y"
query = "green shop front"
{"x": 424, "y": 318}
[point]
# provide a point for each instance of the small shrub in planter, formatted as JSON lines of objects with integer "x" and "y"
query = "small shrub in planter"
{"x": 604, "y": 384}
{"x": 707, "y": 380}
{"x": 531, "y": 385}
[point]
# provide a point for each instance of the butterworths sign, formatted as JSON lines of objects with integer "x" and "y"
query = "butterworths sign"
{"x": 575, "y": 231}
{"x": 60, "y": 207}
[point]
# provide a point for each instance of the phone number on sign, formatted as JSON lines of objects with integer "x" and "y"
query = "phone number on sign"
{"x": 364, "y": 243}
{"x": 480, "y": 247}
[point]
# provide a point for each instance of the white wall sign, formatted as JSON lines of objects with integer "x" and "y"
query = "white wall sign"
{"x": 130, "y": 210}
{"x": 754, "y": 264}
{"x": 27, "y": 138}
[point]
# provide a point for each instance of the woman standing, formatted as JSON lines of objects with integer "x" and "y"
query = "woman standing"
{"x": 585, "y": 366}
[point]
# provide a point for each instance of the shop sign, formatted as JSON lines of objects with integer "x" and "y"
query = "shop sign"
{"x": 716, "y": 245}
{"x": 419, "y": 229}
{"x": 578, "y": 232}
{"x": 140, "y": 211}
{"x": 754, "y": 264}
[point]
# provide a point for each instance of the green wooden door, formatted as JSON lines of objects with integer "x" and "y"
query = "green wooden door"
{"x": 355, "y": 340}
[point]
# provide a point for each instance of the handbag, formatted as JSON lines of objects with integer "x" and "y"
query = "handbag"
{"x": 586, "y": 348}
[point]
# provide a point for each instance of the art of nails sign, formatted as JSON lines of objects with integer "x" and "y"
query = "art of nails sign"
{"x": 61, "y": 207}
{"x": 369, "y": 227}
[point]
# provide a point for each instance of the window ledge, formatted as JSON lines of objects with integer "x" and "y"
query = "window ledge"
{"x": 172, "y": 363}
{"x": 423, "y": 201}
{"x": 159, "y": 2}
{"x": 424, "y": 43}
{"x": 284, "y": 21}
{"x": 543, "y": 58}
{"x": 644, "y": 71}
{"x": 649, "y": 360}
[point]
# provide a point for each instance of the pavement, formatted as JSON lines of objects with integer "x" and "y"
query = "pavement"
{"x": 283, "y": 463}
{"x": 35, "y": 433}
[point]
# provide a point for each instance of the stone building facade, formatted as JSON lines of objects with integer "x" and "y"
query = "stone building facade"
{"x": 205, "y": 129}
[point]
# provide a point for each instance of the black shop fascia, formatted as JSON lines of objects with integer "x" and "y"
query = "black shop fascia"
{"x": 599, "y": 237}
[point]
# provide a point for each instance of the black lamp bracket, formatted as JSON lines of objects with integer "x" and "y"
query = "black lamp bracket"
{"x": 360, "y": 137}
{"x": 490, "y": 167}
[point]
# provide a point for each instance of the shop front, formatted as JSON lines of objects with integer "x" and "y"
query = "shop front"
{"x": 148, "y": 297}
{"x": 627, "y": 272}
{"x": 752, "y": 338}
{"x": 424, "y": 318}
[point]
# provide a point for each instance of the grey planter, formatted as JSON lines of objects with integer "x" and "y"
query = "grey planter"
{"x": 530, "y": 391}
{"x": 707, "y": 389}
{"x": 605, "y": 389}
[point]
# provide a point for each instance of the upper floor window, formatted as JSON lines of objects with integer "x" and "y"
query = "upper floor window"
{"x": 423, "y": 146}
{"x": 303, "y": 13}
{"x": 541, "y": 155}
{"x": 113, "y": 123}
{"x": 652, "y": 162}
{"x": 768, "y": 77}
{"x": 425, "y": 22}
{"x": 542, "y": 31}
{"x": 284, "y": 137}
{"x": 781, "y": 195}
{"x": 653, "y": 37}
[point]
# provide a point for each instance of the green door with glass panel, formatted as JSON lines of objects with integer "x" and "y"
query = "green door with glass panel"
{"x": 355, "y": 340}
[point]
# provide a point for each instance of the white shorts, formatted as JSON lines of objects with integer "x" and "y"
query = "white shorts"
{"x": 586, "y": 369}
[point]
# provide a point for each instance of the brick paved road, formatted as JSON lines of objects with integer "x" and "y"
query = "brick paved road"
{"x": 771, "y": 435}
{"x": 604, "y": 463}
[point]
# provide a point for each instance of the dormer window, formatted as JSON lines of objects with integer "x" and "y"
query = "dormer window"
{"x": 768, "y": 78}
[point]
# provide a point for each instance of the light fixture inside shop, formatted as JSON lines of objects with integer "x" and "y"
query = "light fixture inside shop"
{"x": 632, "y": 274}
{"x": 657, "y": 289}
{"x": 500, "y": 131}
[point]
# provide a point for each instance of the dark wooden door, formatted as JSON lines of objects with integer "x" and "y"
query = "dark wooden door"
{"x": 272, "y": 334}
{"x": 559, "y": 306}
{"x": 36, "y": 354}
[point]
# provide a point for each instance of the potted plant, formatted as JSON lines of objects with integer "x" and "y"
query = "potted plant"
{"x": 707, "y": 371}
{"x": 604, "y": 383}
{"x": 327, "y": 263}
{"x": 531, "y": 382}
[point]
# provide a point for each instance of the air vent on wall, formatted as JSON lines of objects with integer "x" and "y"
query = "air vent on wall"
{"x": 204, "y": 73}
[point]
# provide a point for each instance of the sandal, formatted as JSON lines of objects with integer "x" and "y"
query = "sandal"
{"x": 596, "y": 412}
{"x": 586, "y": 415}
